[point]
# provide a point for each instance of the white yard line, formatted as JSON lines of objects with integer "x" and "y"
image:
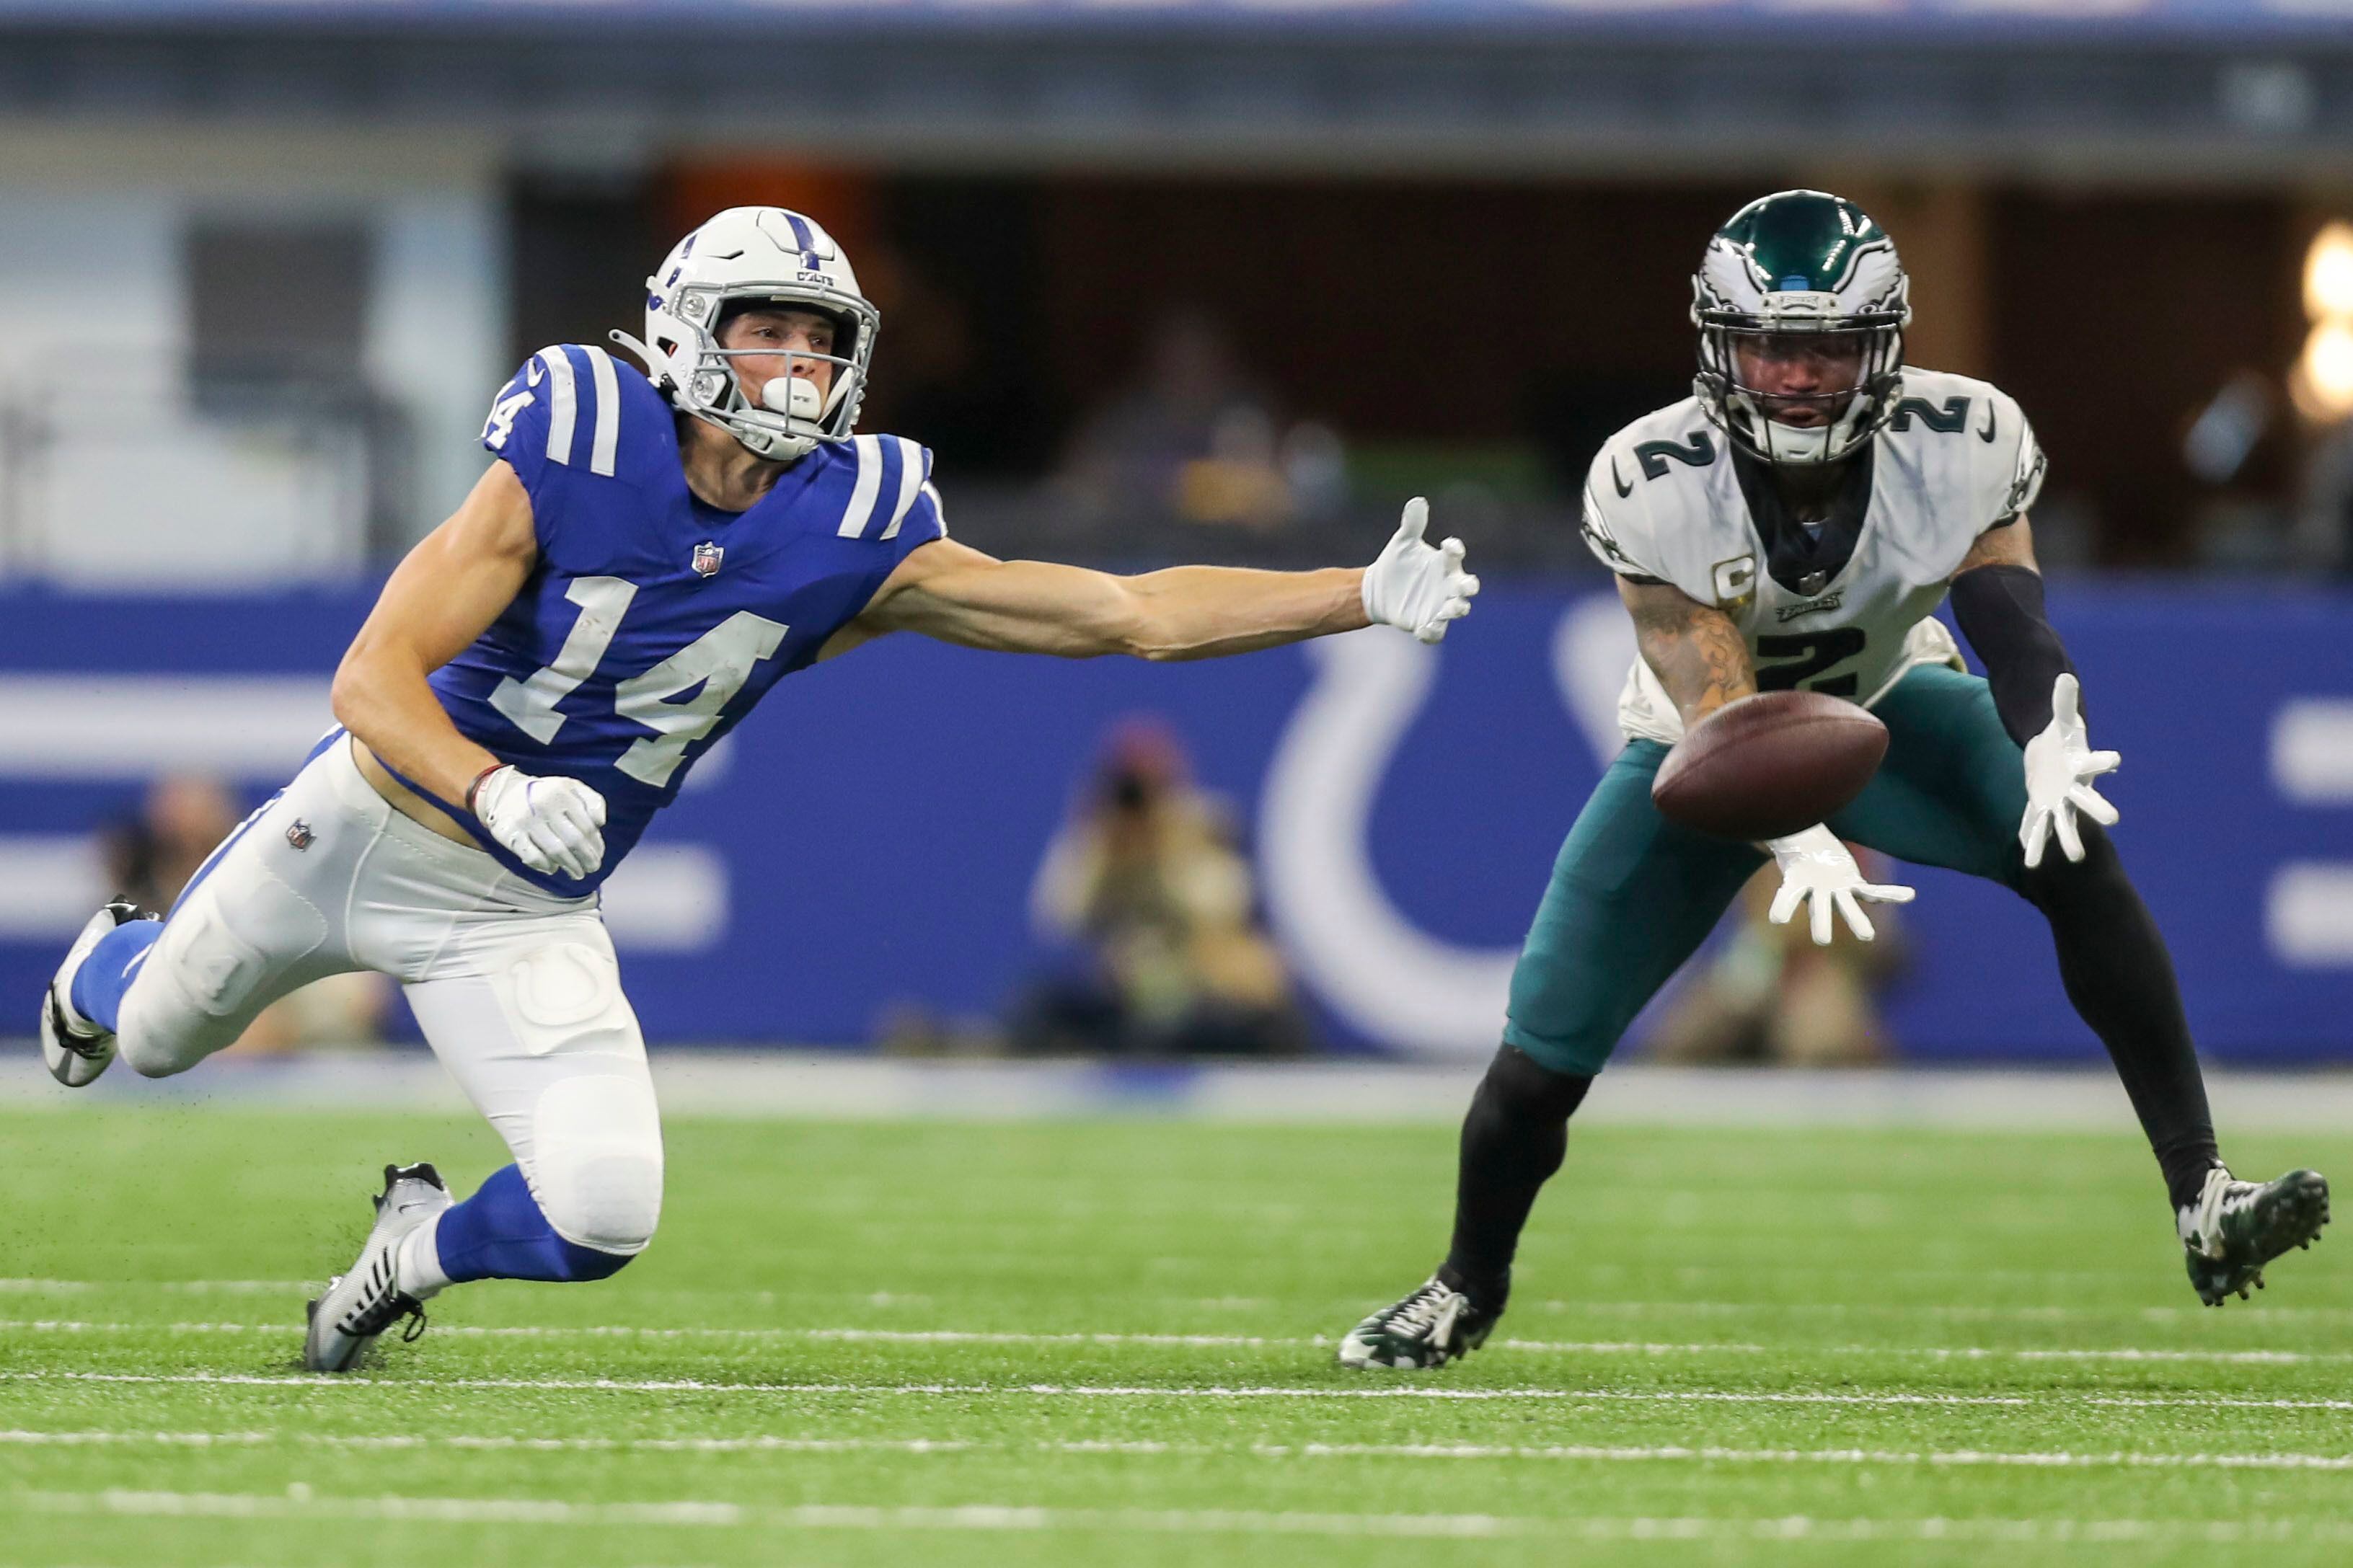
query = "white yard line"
{"x": 1960, "y": 1458}
{"x": 39, "y": 1287}
{"x": 1237, "y": 1342}
{"x": 877, "y": 1336}
{"x": 2055, "y": 1396}
{"x": 1955, "y": 1311}
{"x": 1004, "y": 1517}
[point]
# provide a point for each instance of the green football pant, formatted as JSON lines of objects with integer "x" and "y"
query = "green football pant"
{"x": 1633, "y": 894}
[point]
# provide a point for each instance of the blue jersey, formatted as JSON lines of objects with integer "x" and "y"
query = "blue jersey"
{"x": 652, "y": 621}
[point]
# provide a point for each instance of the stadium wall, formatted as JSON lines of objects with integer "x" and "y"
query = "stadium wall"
{"x": 867, "y": 843}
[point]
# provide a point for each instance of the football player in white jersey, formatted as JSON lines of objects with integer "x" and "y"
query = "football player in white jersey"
{"x": 1792, "y": 525}
{"x": 647, "y": 554}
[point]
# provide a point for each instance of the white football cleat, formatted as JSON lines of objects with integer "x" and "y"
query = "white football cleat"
{"x": 357, "y": 1306}
{"x": 1433, "y": 1326}
{"x": 75, "y": 1049}
{"x": 2236, "y": 1228}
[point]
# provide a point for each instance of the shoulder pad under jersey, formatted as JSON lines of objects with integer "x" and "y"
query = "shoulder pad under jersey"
{"x": 892, "y": 499}
{"x": 1973, "y": 434}
{"x": 1647, "y": 490}
{"x": 574, "y": 412}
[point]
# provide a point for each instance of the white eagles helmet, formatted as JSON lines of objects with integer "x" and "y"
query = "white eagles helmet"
{"x": 1806, "y": 263}
{"x": 773, "y": 256}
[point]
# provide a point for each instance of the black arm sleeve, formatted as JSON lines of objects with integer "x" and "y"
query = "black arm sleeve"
{"x": 2000, "y": 609}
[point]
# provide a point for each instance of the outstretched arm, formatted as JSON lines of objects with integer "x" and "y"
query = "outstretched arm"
{"x": 1694, "y": 648}
{"x": 958, "y": 594}
{"x": 1998, "y": 600}
{"x": 1998, "y": 603}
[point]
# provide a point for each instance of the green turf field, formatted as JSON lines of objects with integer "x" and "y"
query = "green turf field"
{"x": 1110, "y": 1342}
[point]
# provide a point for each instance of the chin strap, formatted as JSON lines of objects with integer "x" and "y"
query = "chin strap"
{"x": 657, "y": 369}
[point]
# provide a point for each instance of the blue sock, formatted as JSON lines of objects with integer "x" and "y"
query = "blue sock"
{"x": 98, "y": 984}
{"x": 500, "y": 1234}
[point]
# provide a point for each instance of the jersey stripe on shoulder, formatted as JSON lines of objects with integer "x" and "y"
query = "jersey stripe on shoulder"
{"x": 867, "y": 450}
{"x": 911, "y": 484}
{"x": 608, "y": 413}
{"x": 562, "y": 404}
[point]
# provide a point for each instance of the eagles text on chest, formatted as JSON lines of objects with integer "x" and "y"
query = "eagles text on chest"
{"x": 1811, "y": 606}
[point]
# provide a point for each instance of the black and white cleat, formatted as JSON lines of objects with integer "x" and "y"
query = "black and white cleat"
{"x": 1434, "y": 1325}
{"x": 74, "y": 1049}
{"x": 2236, "y": 1228}
{"x": 357, "y": 1306}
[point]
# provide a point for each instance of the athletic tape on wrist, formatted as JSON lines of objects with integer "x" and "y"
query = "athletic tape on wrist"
{"x": 473, "y": 788}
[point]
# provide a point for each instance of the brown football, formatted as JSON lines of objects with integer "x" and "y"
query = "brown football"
{"x": 1769, "y": 765}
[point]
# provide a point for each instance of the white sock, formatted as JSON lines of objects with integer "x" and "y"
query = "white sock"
{"x": 419, "y": 1263}
{"x": 75, "y": 1025}
{"x": 75, "y": 1022}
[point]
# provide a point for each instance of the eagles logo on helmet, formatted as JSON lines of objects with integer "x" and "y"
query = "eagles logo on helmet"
{"x": 765, "y": 255}
{"x": 1813, "y": 271}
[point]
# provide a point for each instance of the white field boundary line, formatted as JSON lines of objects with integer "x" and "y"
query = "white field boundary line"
{"x": 790, "y": 1086}
{"x": 1002, "y": 1517}
{"x": 1595, "y": 1396}
{"x": 1954, "y": 1458}
{"x": 1234, "y": 1341}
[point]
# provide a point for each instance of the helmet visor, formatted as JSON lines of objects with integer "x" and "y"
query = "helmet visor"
{"x": 1799, "y": 388}
{"x": 1805, "y": 378}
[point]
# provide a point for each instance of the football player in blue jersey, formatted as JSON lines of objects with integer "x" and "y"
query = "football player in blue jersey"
{"x": 648, "y": 555}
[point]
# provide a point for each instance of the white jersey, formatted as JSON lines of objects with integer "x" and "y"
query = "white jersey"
{"x": 1665, "y": 502}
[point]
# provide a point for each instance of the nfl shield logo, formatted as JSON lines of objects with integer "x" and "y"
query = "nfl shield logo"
{"x": 706, "y": 559}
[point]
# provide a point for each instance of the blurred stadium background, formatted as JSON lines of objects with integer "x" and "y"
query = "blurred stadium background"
{"x": 1171, "y": 281}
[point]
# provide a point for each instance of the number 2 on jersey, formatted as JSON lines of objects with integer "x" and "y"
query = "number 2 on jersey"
{"x": 720, "y": 661}
{"x": 1809, "y": 657}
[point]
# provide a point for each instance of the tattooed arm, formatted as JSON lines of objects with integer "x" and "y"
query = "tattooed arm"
{"x": 1694, "y": 651}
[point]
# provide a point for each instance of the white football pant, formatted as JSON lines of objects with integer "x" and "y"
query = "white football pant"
{"x": 516, "y": 988}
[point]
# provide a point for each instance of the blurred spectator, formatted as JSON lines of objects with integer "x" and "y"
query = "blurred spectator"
{"x": 152, "y": 857}
{"x": 1198, "y": 438}
{"x": 1770, "y": 995}
{"x": 1145, "y": 886}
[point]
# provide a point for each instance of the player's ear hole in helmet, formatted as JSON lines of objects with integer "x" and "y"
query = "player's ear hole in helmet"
{"x": 743, "y": 258}
{"x": 1802, "y": 303}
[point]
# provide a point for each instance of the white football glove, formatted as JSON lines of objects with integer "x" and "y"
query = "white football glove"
{"x": 1815, "y": 866}
{"x": 548, "y": 824}
{"x": 1415, "y": 588}
{"x": 2059, "y": 768}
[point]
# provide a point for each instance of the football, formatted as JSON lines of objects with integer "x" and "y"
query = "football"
{"x": 1770, "y": 765}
